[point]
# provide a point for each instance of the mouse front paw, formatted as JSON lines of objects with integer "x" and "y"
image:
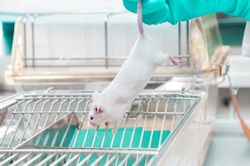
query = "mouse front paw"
{"x": 173, "y": 60}
{"x": 115, "y": 127}
{"x": 114, "y": 130}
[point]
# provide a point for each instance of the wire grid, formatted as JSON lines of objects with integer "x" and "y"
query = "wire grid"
{"x": 86, "y": 63}
{"x": 42, "y": 129}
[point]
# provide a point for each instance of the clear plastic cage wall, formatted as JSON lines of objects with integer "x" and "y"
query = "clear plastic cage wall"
{"x": 72, "y": 48}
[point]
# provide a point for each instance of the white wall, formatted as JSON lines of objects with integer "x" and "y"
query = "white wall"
{"x": 18, "y": 6}
{"x": 44, "y": 6}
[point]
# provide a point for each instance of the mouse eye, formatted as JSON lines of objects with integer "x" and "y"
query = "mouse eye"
{"x": 91, "y": 118}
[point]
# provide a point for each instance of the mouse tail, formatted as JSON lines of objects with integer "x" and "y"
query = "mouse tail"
{"x": 139, "y": 17}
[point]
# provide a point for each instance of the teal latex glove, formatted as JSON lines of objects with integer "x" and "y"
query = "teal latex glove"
{"x": 173, "y": 11}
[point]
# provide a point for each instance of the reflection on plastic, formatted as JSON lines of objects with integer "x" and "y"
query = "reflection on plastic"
{"x": 246, "y": 41}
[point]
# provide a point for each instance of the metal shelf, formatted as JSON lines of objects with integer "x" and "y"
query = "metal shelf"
{"x": 51, "y": 128}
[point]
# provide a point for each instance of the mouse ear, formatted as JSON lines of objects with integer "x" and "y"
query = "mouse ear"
{"x": 95, "y": 95}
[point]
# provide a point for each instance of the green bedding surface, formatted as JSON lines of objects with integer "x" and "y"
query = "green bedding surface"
{"x": 74, "y": 138}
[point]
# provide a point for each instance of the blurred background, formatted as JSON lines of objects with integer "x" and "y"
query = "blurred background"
{"x": 53, "y": 38}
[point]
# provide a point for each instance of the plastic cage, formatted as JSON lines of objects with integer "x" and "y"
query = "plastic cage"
{"x": 81, "y": 49}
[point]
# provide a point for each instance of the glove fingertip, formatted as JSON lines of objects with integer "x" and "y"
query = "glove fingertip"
{"x": 158, "y": 17}
{"x": 149, "y": 6}
{"x": 130, "y": 5}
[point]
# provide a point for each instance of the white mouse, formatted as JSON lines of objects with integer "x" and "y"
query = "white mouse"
{"x": 113, "y": 102}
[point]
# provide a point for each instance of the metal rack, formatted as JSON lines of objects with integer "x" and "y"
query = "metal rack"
{"x": 28, "y": 68}
{"x": 42, "y": 128}
{"x": 30, "y": 62}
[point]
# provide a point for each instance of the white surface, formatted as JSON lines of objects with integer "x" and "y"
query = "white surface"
{"x": 31, "y": 6}
{"x": 228, "y": 146}
{"x": 69, "y": 36}
{"x": 239, "y": 72}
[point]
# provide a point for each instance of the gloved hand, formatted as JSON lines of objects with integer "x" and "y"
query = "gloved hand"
{"x": 173, "y": 11}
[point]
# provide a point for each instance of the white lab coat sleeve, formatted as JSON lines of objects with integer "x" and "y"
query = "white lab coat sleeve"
{"x": 246, "y": 41}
